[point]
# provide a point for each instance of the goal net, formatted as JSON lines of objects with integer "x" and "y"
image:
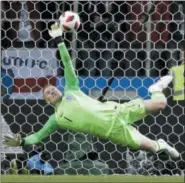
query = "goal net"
{"x": 121, "y": 48}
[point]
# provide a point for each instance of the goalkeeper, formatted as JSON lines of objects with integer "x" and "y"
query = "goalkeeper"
{"x": 110, "y": 120}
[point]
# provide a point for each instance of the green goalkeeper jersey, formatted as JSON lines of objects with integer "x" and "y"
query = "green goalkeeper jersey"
{"x": 77, "y": 111}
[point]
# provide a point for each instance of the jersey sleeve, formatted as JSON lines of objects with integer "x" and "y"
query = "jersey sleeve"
{"x": 47, "y": 129}
{"x": 69, "y": 72}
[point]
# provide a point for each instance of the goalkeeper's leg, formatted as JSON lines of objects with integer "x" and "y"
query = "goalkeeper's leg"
{"x": 158, "y": 100}
{"x": 154, "y": 146}
{"x": 137, "y": 109}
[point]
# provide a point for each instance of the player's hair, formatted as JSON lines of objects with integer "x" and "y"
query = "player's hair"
{"x": 44, "y": 88}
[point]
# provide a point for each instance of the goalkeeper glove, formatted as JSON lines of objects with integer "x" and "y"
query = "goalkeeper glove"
{"x": 16, "y": 140}
{"x": 56, "y": 33}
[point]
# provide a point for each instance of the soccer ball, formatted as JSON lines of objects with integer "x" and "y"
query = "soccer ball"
{"x": 69, "y": 21}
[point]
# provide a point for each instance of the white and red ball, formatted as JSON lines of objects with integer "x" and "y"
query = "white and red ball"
{"x": 70, "y": 21}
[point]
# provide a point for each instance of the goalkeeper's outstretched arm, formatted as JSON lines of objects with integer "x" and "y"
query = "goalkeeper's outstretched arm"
{"x": 69, "y": 71}
{"x": 35, "y": 138}
{"x": 47, "y": 129}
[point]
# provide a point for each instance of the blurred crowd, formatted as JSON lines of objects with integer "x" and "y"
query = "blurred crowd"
{"x": 110, "y": 41}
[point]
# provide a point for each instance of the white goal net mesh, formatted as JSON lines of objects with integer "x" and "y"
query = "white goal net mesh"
{"x": 132, "y": 42}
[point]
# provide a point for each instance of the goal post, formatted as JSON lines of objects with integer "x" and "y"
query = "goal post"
{"x": 116, "y": 56}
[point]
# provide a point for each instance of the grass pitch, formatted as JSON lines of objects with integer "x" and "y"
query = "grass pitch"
{"x": 88, "y": 179}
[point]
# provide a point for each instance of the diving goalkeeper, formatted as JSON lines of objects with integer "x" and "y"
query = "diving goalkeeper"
{"x": 110, "y": 120}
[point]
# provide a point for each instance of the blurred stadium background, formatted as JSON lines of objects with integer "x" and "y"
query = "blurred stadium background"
{"x": 132, "y": 42}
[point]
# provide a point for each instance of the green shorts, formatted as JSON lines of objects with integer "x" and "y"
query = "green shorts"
{"x": 123, "y": 132}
